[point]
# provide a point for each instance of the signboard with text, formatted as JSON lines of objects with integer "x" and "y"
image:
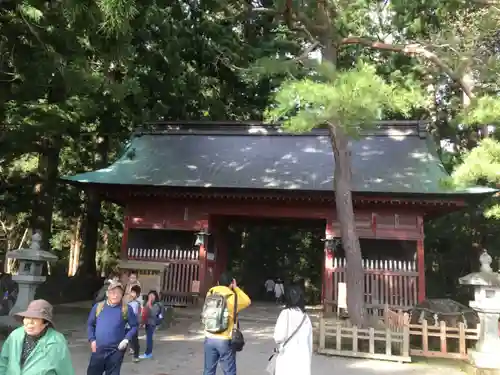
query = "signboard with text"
{"x": 342, "y": 295}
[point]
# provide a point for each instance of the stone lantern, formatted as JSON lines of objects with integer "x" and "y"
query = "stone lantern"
{"x": 486, "y": 303}
{"x": 29, "y": 274}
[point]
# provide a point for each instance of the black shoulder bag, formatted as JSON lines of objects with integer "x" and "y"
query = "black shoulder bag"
{"x": 237, "y": 339}
{"x": 271, "y": 365}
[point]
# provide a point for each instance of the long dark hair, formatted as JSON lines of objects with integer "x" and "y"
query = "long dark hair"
{"x": 294, "y": 298}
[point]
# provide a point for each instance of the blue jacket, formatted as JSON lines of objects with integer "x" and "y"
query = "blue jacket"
{"x": 110, "y": 327}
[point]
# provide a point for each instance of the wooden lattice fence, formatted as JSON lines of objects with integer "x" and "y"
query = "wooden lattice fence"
{"x": 338, "y": 338}
{"x": 396, "y": 339}
{"x": 438, "y": 340}
{"x": 386, "y": 282}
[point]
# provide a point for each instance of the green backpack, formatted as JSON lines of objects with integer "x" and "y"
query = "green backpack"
{"x": 215, "y": 313}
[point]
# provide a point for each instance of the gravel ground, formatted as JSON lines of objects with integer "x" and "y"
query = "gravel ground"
{"x": 179, "y": 350}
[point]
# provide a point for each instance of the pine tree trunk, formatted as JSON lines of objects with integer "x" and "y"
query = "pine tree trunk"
{"x": 45, "y": 187}
{"x": 93, "y": 211}
{"x": 468, "y": 79}
{"x": 76, "y": 244}
{"x": 92, "y": 218}
{"x": 93, "y": 214}
{"x": 105, "y": 260}
{"x": 345, "y": 216}
{"x": 343, "y": 191}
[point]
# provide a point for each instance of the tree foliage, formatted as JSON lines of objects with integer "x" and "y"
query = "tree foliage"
{"x": 77, "y": 77}
{"x": 352, "y": 98}
{"x": 481, "y": 166}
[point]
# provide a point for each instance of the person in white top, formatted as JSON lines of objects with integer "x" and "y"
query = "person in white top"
{"x": 279, "y": 291}
{"x": 294, "y": 336}
{"x": 269, "y": 285}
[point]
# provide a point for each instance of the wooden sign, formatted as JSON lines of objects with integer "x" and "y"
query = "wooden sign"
{"x": 150, "y": 281}
{"x": 342, "y": 295}
{"x": 195, "y": 286}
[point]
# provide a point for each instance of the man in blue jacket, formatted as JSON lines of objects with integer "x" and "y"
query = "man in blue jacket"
{"x": 107, "y": 333}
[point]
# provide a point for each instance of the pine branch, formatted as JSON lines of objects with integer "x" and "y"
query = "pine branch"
{"x": 414, "y": 49}
{"x": 487, "y": 2}
{"x": 306, "y": 25}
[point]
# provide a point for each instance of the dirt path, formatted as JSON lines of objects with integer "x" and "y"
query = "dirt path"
{"x": 179, "y": 351}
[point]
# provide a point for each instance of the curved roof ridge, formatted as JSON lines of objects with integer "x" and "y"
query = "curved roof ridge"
{"x": 256, "y": 128}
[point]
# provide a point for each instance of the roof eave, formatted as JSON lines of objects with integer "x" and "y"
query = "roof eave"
{"x": 471, "y": 192}
{"x": 456, "y": 199}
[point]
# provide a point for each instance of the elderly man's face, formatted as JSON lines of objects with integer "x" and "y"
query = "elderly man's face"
{"x": 34, "y": 326}
{"x": 115, "y": 296}
{"x": 132, "y": 278}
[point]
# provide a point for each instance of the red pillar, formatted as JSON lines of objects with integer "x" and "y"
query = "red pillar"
{"x": 218, "y": 228}
{"x": 421, "y": 261}
{"x": 222, "y": 248}
{"x": 203, "y": 270}
{"x": 327, "y": 287}
{"x": 216, "y": 240}
{"x": 124, "y": 253}
{"x": 421, "y": 270}
{"x": 202, "y": 273}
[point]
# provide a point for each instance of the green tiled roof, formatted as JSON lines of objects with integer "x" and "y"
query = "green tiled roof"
{"x": 392, "y": 160}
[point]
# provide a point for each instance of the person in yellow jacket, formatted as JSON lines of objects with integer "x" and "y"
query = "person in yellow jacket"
{"x": 218, "y": 319}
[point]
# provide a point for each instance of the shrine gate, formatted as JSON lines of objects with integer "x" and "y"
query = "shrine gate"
{"x": 179, "y": 182}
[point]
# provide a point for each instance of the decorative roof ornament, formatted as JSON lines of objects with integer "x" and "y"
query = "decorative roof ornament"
{"x": 36, "y": 239}
{"x": 485, "y": 261}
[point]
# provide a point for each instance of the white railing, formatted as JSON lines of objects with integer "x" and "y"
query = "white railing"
{"x": 162, "y": 254}
{"x": 380, "y": 264}
{"x": 391, "y": 283}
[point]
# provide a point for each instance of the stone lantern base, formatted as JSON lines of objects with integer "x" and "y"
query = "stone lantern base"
{"x": 485, "y": 358}
{"x": 484, "y": 363}
{"x": 28, "y": 278}
{"x": 475, "y": 363}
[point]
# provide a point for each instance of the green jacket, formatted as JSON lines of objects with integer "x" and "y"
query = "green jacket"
{"x": 51, "y": 355}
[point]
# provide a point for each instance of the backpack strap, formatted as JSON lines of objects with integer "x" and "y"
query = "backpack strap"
{"x": 125, "y": 312}
{"x": 99, "y": 308}
{"x": 295, "y": 331}
{"x": 236, "y": 322}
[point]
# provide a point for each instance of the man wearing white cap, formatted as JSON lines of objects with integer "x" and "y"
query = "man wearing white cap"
{"x": 107, "y": 332}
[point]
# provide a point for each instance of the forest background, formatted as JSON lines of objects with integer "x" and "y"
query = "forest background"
{"x": 78, "y": 77}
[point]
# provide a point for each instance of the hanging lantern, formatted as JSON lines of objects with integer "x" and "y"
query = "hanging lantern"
{"x": 330, "y": 242}
{"x": 200, "y": 237}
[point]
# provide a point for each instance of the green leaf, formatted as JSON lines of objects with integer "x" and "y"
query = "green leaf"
{"x": 484, "y": 110}
{"x": 481, "y": 165}
{"x": 493, "y": 212}
{"x": 117, "y": 15}
{"x": 350, "y": 98}
{"x": 30, "y": 12}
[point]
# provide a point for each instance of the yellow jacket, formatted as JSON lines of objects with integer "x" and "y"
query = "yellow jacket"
{"x": 243, "y": 303}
